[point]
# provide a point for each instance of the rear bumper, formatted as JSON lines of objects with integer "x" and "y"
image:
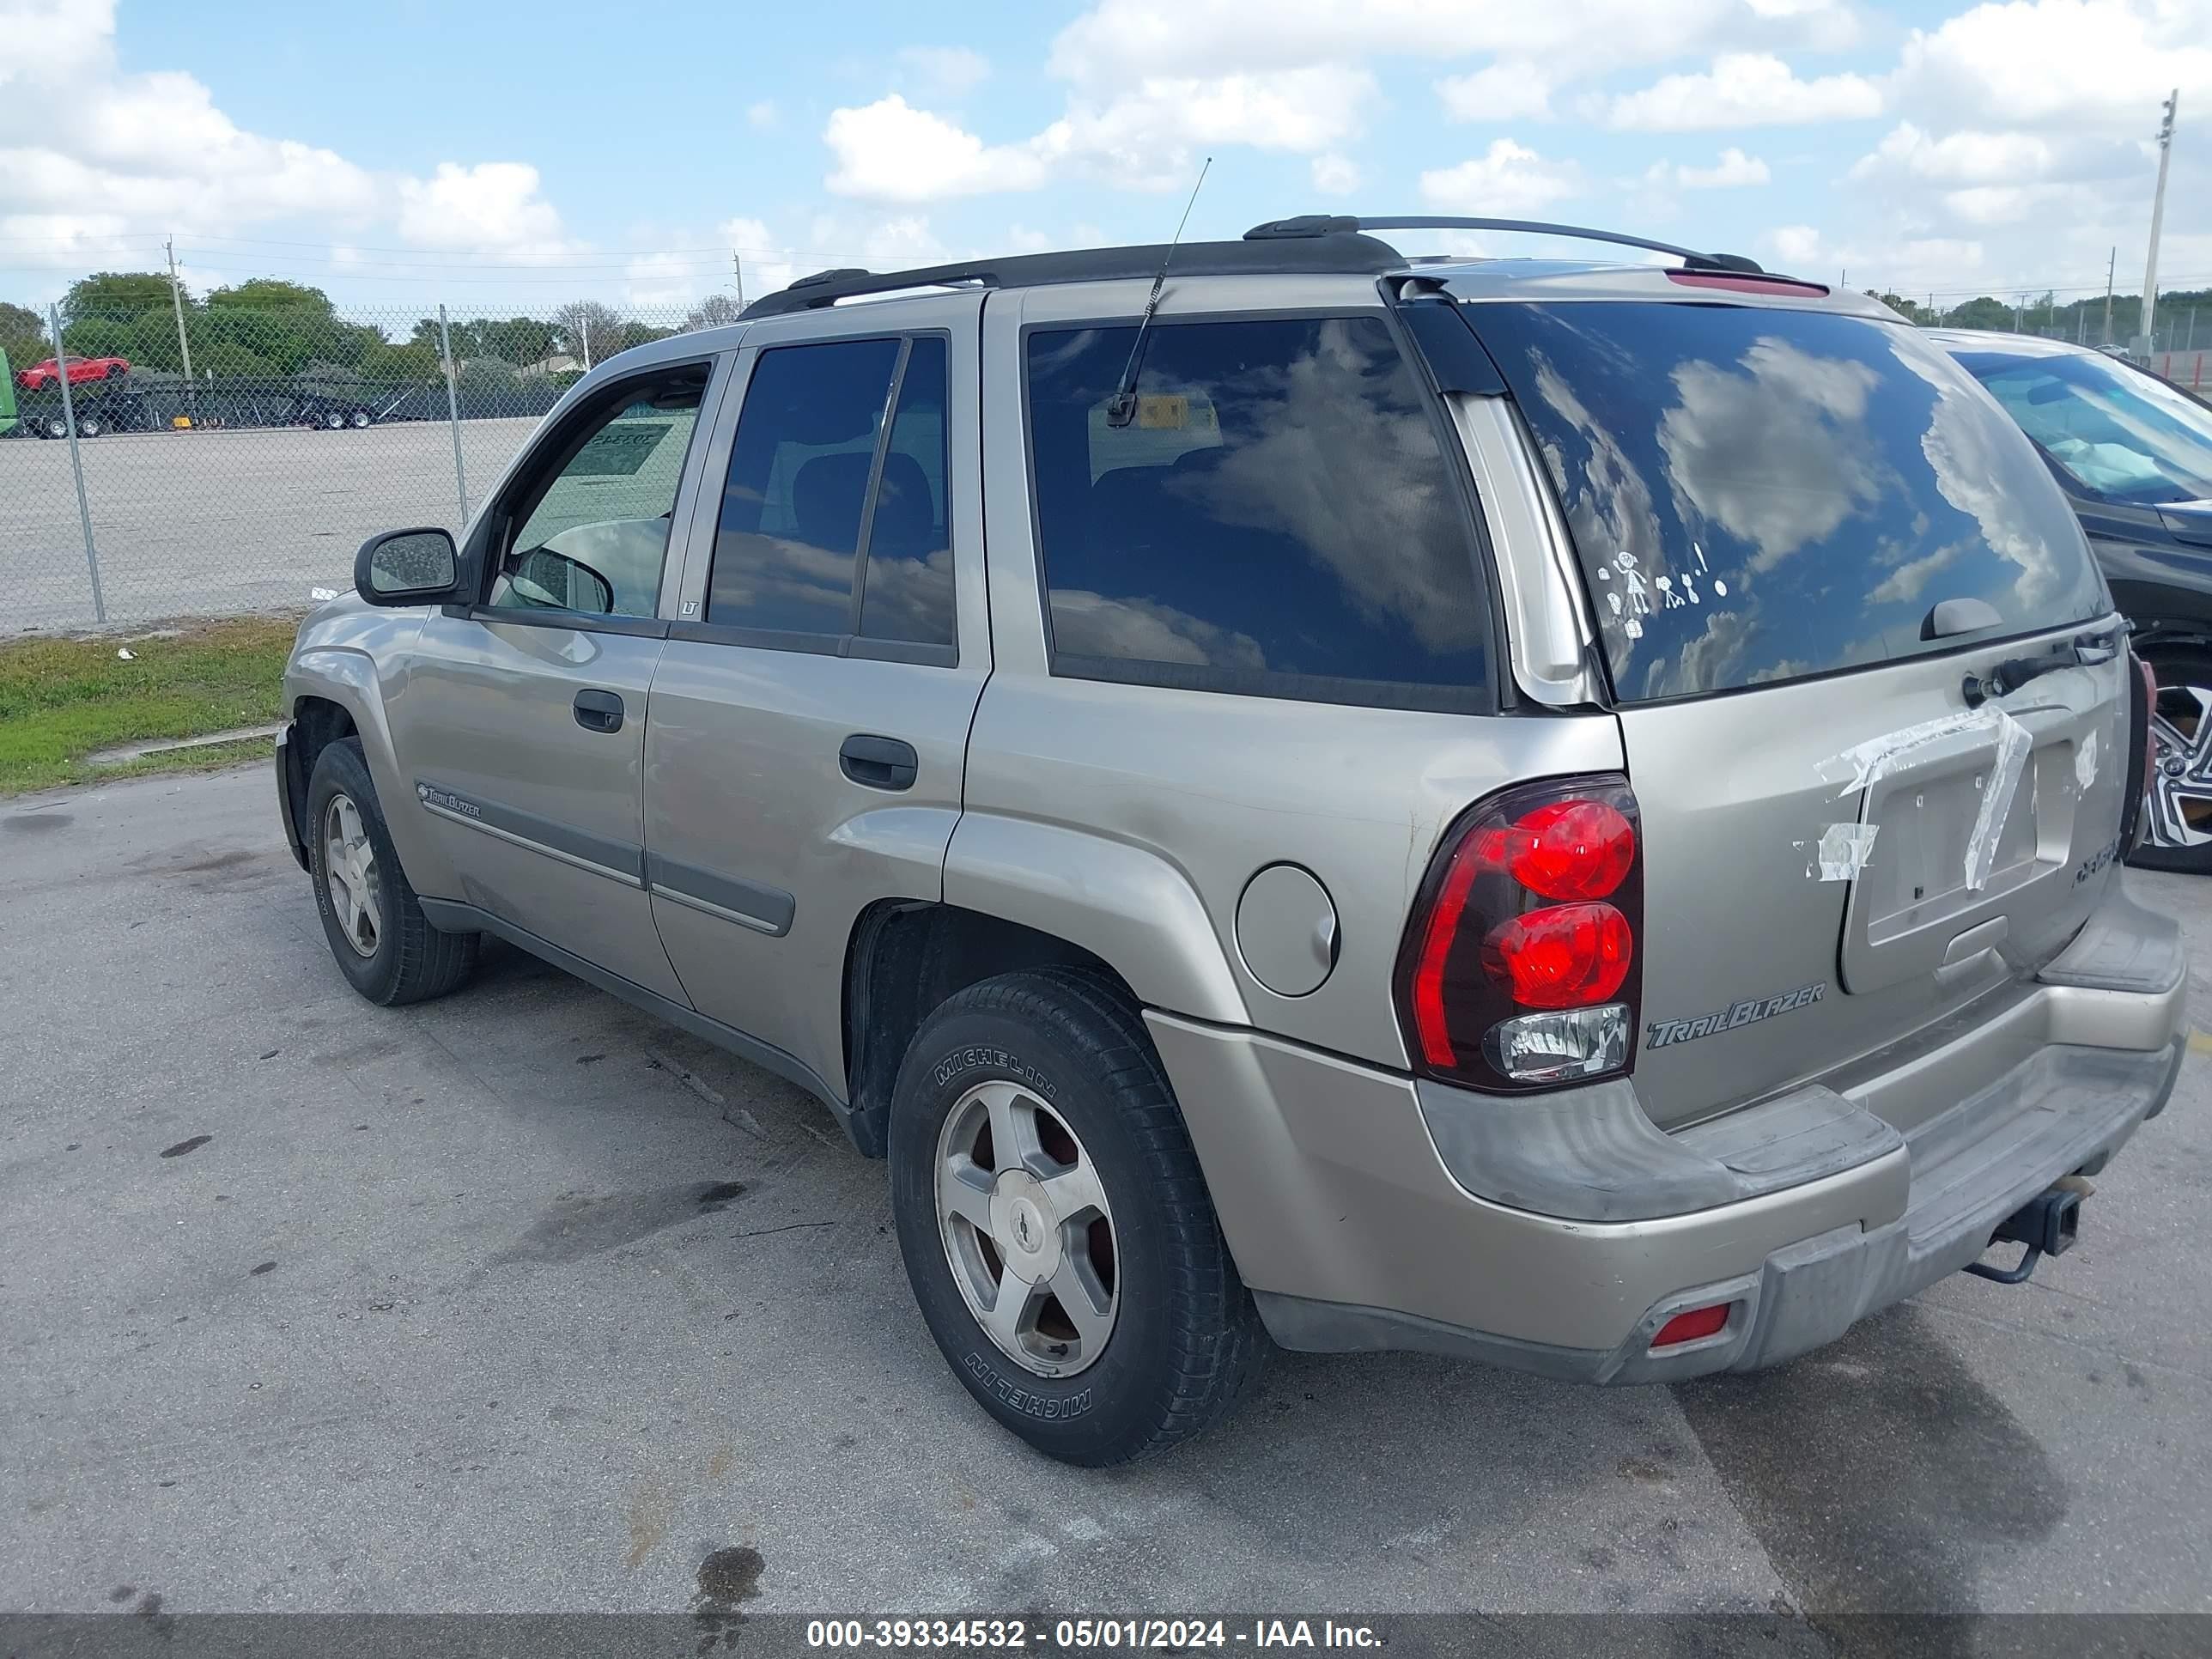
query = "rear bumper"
{"x": 1361, "y": 1220}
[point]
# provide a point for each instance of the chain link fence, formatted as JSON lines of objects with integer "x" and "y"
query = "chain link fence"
{"x": 198, "y": 458}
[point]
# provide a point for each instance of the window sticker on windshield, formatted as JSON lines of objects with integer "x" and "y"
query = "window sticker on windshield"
{"x": 1163, "y": 410}
{"x": 617, "y": 450}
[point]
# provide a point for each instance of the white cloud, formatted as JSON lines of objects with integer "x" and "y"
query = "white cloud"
{"x": 2101, "y": 66}
{"x": 1143, "y": 137}
{"x": 1507, "y": 179}
{"x": 762, "y": 116}
{"x": 1503, "y": 92}
{"x": 1335, "y": 175}
{"x": 90, "y": 152}
{"x": 493, "y": 204}
{"x": 889, "y": 151}
{"x": 1732, "y": 171}
{"x": 946, "y": 71}
{"x": 1742, "y": 89}
{"x": 1958, "y": 158}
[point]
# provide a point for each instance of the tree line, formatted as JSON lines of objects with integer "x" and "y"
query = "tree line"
{"x": 2079, "y": 320}
{"x": 267, "y": 328}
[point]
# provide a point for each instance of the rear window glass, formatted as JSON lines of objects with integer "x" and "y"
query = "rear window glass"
{"x": 1277, "y": 518}
{"x": 1761, "y": 494}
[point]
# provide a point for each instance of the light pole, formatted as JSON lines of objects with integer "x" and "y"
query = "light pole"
{"x": 2157, "y": 218}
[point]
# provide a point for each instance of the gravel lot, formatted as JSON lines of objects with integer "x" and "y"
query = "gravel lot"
{"x": 523, "y": 1301}
{"x": 218, "y": 522}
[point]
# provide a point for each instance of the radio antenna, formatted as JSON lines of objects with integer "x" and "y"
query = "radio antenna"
{"x": 1121, "y": 407}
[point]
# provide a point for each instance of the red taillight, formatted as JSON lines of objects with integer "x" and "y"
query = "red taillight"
{"x": 1564, "y": 956}
{"x": 1519, "y": 967}
{"x": 1691, "y": 1327}
{"x": 1572, "y": 849}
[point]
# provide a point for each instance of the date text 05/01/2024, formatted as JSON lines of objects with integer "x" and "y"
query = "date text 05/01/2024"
{"x": 1085, "y": 1634}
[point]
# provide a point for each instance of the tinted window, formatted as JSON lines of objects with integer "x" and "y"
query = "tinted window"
{"x": 1277, "y": 517}
{"x": 906, "y": 590}
{"x": 607, "y": 507}
{"x": 2117, "y": 432}
{"x": 1761, "y": 495}
{"x": 798, "y": 487}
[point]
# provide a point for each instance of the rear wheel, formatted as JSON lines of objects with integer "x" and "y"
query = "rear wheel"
{"x": 2177, "y": 812}
{"x": 1056, "y": 1226}
{"x": 360, "y": 419}
{"x": 383, "y": 943}
{"x": 89, "y": 426}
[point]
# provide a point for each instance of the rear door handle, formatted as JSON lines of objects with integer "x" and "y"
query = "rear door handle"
{"x": 600, "y": 711}
{"x": 879, "y": 763}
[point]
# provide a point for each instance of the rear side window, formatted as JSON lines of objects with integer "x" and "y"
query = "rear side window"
{"x": 1278, "y": 519}
{"x": 907, "y": 587}
{"x": 1761, "y": 495}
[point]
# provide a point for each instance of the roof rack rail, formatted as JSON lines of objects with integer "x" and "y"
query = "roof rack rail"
{"x": 1353, "y": 254}
{"x": 1324, "y": 224}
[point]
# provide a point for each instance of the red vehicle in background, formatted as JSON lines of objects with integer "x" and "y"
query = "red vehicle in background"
{"x": 39, "y": 376}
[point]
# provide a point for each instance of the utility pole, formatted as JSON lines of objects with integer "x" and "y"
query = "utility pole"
{"x": 2111, "y": 266}
{"x": 737, "y": 265}
{"x": 2019, "y": 315}
{"x": 177, "y": 299}
{"x": 2157, "y": 216}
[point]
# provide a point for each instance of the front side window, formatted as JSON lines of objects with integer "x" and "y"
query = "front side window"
{"x": 1277, "y": 516}
{"x": 1758, "y": 494}
{"x": 2117, "y": 432}
{"x": 595, "y": 536}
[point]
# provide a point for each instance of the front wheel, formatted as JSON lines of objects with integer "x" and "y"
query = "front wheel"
{"x": 1056, "y": 1226}
{"x": 384, "y": 944}
{"x": 2177, "y": 812}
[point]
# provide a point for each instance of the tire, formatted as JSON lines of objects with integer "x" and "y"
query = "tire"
{"x": 360, "y": 420}
{"x": 55, "y": 427}
{"x": 1179, "y": 1337}
{"x": 2178, "y": 815}
{"x": 401, "y": 957}
{"x": 90, "y": 428}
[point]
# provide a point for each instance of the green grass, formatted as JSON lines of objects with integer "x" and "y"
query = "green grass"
{"x": 60, "y": 700}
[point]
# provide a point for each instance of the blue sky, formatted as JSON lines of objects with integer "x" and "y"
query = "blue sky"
{"x": 519, "y": 155}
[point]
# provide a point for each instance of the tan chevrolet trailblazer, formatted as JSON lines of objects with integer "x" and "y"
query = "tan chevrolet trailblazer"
{"x": 1565, "y": 813}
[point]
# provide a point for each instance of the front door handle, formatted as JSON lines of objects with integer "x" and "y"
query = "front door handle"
{"x": 600, "y": 711}
{"x": 879, "y": 763}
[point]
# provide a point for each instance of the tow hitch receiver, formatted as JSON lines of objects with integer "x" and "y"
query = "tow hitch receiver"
{"x": 2047, "y": 1224}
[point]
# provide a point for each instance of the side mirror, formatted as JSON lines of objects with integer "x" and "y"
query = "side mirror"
{"x": 543, "y": 577}
{"x": 408, "y": 567}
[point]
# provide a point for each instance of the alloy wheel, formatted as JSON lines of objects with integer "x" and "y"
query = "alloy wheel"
{"x": 2179, "y": 804}
{"x": 1027, "y": 1230}
{"x": 349, "y": 867}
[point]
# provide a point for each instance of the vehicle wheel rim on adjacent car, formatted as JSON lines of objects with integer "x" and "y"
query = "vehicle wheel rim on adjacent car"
{"x": 349, "y": 867}
{"x": 2180, "y": 804}
{"x": 1027, "y": 1230}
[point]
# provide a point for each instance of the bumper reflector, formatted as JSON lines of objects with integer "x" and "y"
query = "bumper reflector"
{"x": 1690, "y": 1327}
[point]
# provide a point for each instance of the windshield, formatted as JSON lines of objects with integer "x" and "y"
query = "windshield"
{"x": 1759, "y": 495}
{"x": 2115, "y": 431}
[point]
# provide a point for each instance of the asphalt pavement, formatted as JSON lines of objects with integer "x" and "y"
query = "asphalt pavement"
{"x": 524, "y": 1301}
